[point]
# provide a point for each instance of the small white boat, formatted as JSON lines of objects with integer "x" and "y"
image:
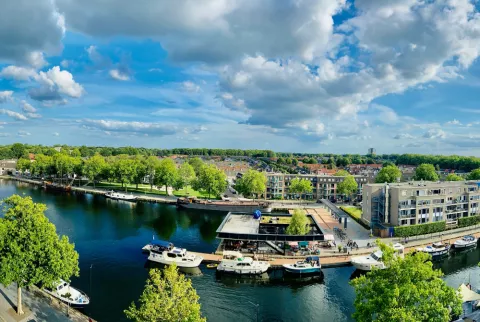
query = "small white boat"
{"x": 436, "y": 249}
{"x": 465, "y": 242}
{"x": 234, "y": 262}
{"x": 178, "y": 256}
{"x": 120, "y": 196}
{"x": 66, "y": 293}
{"x": 309, "y": 266}
{"x": 367, "y": 262}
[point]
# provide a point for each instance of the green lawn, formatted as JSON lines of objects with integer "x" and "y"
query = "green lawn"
{"x": 145, "y": 188}
{"x": 285, "y": 220}
{"x": 355, "y": 212}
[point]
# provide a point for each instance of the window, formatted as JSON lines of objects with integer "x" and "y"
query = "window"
{"x": 171, "y": 255}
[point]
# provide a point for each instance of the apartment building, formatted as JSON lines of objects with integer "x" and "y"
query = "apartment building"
{"x": 419, "y": 202}
{"x": 8, "y": 166}
{"x": 324, "y": 187}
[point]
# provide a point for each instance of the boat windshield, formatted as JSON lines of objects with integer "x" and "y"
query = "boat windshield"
{"x": 374, "y": 256}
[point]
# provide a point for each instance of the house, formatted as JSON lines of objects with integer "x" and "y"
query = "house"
{"x": 8, "y": 166}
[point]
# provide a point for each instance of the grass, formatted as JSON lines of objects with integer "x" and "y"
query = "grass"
{"x": 145, "y": 189}
{"x": 354, "y": 212}
{"x": 283, "y": 220}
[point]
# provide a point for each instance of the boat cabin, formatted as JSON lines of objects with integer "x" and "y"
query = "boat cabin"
{"x": 159, "y": 246}
{"x": 177, "y": 252}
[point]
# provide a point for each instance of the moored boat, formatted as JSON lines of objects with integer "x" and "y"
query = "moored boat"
{"x": 56, "y": 186}
{"x": 466, "y": 242}
{"x": 310, "y": 265}
{"x": 174, "y": 255}
{"x": 367, "y": 262}
{"x": 158, "y": 246}
{"x": 68, "y": 294}
{"x": 224, "y": 205}
{"x": 120, "y": 196}
{"x": 234, "y": 262}
{"x": 436, "y": 249}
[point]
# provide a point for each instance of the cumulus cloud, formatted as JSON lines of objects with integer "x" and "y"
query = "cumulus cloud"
{"x": 435, "y": 134}
{"x": 12, "y": 114}
{"x": 33, "y": 115}
{"x": 5, "y": 96}
{"x": 18, "y": 73}
{"x": 159, "y": 129}
{"x": 454, "y": 122}
{"x": 118, "y": 75}
{"x": 23, "y": 133}
{"x": 402, "y": 136}
{"x": 26, "y": 107}
{"x": 190, "y": 86}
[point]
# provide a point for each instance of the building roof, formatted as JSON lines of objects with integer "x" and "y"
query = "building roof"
{"x": 241, "y": 224}
{"x": 427, "y": 184}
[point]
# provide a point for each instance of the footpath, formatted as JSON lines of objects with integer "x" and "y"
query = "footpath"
{"x": 37, "y": 306}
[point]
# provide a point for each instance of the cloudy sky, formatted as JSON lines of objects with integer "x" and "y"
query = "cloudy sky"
{"x": 293, "y": 75}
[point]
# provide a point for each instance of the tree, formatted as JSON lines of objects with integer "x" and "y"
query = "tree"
{"x": 300, "y": 186}
{"x": 140, "y": 170}
{"x": 348, "y": 186}
{"x": 453, "y": 177}
{"x": 211, "y": 179}
{"x": 299, "y": 223}
{"x": 197, "y": 164}
{"x": 389, "y": 173}
{"x": 341, "y": 173}
{"x": 93, "y": 167}
{"x": 18, "y": 150}
{"x": 124, "y": 170}
{"x": 425, "y": 172}
{"x": 168, "y": 296}
{"x": 474, "y": 175}
{"x": 43, "y": 165}
{"x": 252, "y": 182}
{"x": 31, "y": 252}
{"x": 186, "y": 175}
{"x": 76, "y": 153}
{"x": 151, "y": 164}
{"x": 23, "y": 164}
{"x": 64, "y": 164}
{"x": 166, "y": 174}
{"x": 407, "y": 290}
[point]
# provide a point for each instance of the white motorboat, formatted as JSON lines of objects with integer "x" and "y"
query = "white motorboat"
{"x": 66, "y": 293}
{"x": 367, "y": 262}
{"x": 310, "y": 265}
{"x": 436, "y": 249}
{"x": 178, "y": 256}
{"x": 120, "y": 196}
{"x": 234, "y": 262}
{"x": 465, "y": 242}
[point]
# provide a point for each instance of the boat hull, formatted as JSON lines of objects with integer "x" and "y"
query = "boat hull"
{"x": 225, "y": 208}
{"x": 297, "y": 271}
{"x": 464, "y": 246}
{"x": 121, "y": 198}
{"x": 367, "y": 266}
{"x": 158, "y": 258}
{"x": 249, "y": 271}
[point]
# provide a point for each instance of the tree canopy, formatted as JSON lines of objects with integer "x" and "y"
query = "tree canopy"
{"x": 425, "y": 172}
{"x": 299, "y": 223}
{"x": 252, "y": 182}
{"x": 93, "y": 167}
{"x": 31, "y": 252}
{"x": 166, "y": 174}
{"x": 211, "y": 180}
{"x": 408, "y": 290}
{"x": 453, "y": 177}
{"x": 168, "y": 296}
{"x": 186, "y": 175}
{"x": 474, "y": 175}
{"x": 348, "y": 186}
{"x": 300, "y": 186}
{"x": 388, "y": 174}
{"x": 341, "y": 173}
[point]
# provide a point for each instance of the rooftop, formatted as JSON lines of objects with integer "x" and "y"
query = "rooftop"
{"x": 428, "y": 184}
{"x": 241, "y": 224}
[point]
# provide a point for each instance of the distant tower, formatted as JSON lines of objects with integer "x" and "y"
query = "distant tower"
{"x": 371, "y": 151}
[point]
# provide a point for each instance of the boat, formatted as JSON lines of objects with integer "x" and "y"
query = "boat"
{"x": 466, "y": 242}
{"x": 368, "y": 262}
{"x": 158, "y": 246}
{"x": 56, "y": 186}
{"x": 68, "y": 294}
{"x": 223, "y": 205}
{"x": 174, "y": 255}
{"x": 234, "y": 262}
{"x": 436, "y": 249}
{"x": 120, "y": 196}
{"x": 309, "y": 266}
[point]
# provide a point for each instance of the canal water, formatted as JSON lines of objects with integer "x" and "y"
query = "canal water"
{"x": 109, "y": 236}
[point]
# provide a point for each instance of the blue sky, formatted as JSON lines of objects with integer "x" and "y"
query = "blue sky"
{"x": 300, "y": 76}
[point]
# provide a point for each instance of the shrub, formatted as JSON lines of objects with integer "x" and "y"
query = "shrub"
{"x": 421, "y": 229}
{"x": 356, "y": 214}
{"x": 468, "y": 221}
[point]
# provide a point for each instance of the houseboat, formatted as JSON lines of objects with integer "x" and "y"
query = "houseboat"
{"x": 310, "y": 265}
{"x": 178, "y": 256}
{"x": 436, "y": 250}
{"x": 120, "y": 196}
{"x": 234, "y": 262}
{"x": 224, "y": 205}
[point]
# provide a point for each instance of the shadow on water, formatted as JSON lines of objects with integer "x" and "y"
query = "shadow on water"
{"x": 189, "y": 271}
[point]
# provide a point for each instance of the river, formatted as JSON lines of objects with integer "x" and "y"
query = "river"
{"x": 109, "y": 236}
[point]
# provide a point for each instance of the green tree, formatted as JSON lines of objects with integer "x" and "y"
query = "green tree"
{"x": 168, "y": 296}
{"x": 299, "y": 223}
{"x": 453, "y": 177}
{"x": 300, "y": 186}
{"x": 140, "y": 170}
{"x": 124, "y": 170}
{"x": 197, "y": 164}
{"x": 474, "y": 175}
{"x": 186, "y": 175}
{"x": 93, "y": 167}
{"x": 252, "y": 182}
{"x": 341, "y": 173}
{"x": 18, "y": 150}
{"x": 166, "y": 174}
{"x": 76, "y": 153}
{"x": 407, "y": 290}
{"x": 151, "y": 164}
{"x": 64, "y": 164}
{"x": 23, "y": 164}
{"x": 31, "y": 252}
{"x": 389, "y": 174}
{"x": 348, "y": 186}
{"x": 211, "y": 180}
{"x": 425, "y": 172}
{"x": 43, "y": 165}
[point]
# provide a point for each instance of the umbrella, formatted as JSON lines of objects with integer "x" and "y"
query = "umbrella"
{"x": 467, "y": 294}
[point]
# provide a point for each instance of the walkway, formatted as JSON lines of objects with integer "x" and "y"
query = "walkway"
{"x": 37, "y": 307}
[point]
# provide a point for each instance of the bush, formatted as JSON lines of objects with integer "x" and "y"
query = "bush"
{"x": 421, "y": 229}
{"x": 468, "y": 221}
{"x": 356, "y": 214}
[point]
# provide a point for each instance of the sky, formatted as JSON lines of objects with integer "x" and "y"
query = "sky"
{"x": 325, "y": 76}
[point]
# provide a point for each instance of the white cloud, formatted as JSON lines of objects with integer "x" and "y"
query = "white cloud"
{"x": 454, "y": 122}
{"x": 55, "y": 83}
{"x": 36, "y": 59}
{"x": 158, "y": 70}
{"x": 13, "y": 114}
{"x": 26, "y": 107}
{"x": 435, "y": 134}
{"x": 402, "y": 136}
{"x": 66, "y": 63}
{"x": 23, "y": 133}
{"x": 56, "y": 134}
{"x": 159, "y": 129}
{"x": 190, "y": 86}
{"x": 33, "y": 115}
{"x": 118, "y": 75}
{"x": 5, "y": 96}
{"x": 18, "y": 73}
